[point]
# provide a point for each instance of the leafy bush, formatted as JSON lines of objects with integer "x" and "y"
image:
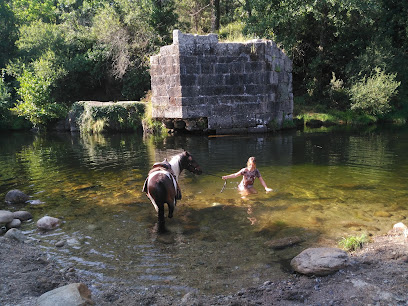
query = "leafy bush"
{"x": 372, "y": 95}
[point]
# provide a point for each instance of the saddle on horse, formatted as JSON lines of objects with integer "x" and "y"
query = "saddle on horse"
{"x": 164, "y": 165}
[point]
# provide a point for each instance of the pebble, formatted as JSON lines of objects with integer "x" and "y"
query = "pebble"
{"x": 60, "y": 243}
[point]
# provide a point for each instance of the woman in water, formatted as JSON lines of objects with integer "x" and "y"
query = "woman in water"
{"x": 249, "y": 174}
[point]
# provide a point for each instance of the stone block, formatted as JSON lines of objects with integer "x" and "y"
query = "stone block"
{"x": 273, "y": 77}
{"x": 189, "y": 80}
{"x": 175, "y": 101}
{"x": 195, "y": 111}
{"x": 227, "y": 59}
{"x": 254, "y": 90}
{"x": 190, "y": 69}
{"x": 235, "y": 80}
{"x": 160, "y": 100}
{"x": 221, "y": 68}
{"x": 174, "y": 92}
{"x": 154, "y": 60}
{"x": 188, "y": 60}
{"x": 167, "y": 112}
{"x": 207, "y": 68}
{"x": 221, "y": 49}
{"x": 237, "y": 67}
{"x": 216, "y": 121}
{"x": 254, "y": 67}
{"x": 181, "y": 38}
{"x": 168, "y": 50}
{"x": 189, "y": 91}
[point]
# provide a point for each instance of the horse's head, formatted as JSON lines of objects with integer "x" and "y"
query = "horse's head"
{"x": 187, "y": 162}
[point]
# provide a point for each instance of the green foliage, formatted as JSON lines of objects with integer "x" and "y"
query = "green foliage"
{"x": 163, "y": 19}
{"x": 8, "y": 33}
{"x": 233, "y": 32}
{"x": 4, "y": 94}
{"x": 36, "y": 103}
{"x": 372, "y": 95}
{"x": 353, "y": 243}
{"x": 28, "y": 11}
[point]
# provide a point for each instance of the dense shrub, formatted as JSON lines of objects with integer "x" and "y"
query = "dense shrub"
{"x": 372, "y": 95}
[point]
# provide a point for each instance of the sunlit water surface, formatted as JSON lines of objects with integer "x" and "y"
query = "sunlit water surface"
{"x": 327, "y": 185}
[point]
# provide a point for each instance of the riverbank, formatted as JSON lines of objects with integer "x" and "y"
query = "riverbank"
{"x": 377, "y": 274}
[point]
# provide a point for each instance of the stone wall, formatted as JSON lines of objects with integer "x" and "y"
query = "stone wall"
{"x": 228, "y": 87}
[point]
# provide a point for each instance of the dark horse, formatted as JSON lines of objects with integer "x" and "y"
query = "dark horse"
{"x": 161, "y": 185}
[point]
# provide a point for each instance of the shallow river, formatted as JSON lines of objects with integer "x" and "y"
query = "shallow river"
{"x": 327, "y": 185}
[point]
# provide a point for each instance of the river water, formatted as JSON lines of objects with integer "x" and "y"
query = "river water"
{"x": 328, "y": 184}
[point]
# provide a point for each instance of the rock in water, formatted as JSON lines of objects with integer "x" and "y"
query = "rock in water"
{"x": 76, "y": 294}
{"x": 319, "y": 261}
{"x": 22, "y": 215}
{"x": 14, "y": 224}
{"x": 15, "y": 234}
{"x": 6, "y": 216}
{"x": 48, "y": 223}
{"x": 16, "y": 196}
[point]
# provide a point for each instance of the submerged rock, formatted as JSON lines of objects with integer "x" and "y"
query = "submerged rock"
{"x": 320, "y": 261}
{"x": 48, "y": 223}
{"x": 77, "y": 294}
{"x": 282, "y": 243}
{"x": 16, "y": 196}
{"x": 6, "y": 216}
{"x": 383, "y": 214}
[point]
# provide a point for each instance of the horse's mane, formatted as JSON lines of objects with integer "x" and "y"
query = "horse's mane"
{"x": 175, "y": 163}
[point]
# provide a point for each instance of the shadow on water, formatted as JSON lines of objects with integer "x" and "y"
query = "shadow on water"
{"x": 327, "y": 185}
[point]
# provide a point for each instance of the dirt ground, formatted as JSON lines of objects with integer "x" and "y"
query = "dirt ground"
{"x": 377, "y": 275}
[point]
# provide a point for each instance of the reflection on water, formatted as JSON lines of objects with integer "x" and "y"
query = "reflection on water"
{"x": 326, "y": 186}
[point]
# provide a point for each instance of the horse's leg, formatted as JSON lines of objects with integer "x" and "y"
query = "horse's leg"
{"x": 171, "y": 208}
{"x": 160, "y": 217}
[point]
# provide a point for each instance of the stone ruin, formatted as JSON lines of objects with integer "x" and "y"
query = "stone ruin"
{"x": 200, "y": 84}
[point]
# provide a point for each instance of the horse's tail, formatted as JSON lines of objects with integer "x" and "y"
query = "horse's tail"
{"x": 145, "y": 185}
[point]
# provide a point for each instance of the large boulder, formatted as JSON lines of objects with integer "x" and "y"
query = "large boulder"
{"x": 6, "y": 216}
{"x": 320, "y": 261}
{"x": 76, "y": 294}
{"x": 16, "y": 196}
{"x": 48, "y": 223}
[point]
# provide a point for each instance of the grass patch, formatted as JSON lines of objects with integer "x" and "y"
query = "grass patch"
{"x": 353, "y": 243}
